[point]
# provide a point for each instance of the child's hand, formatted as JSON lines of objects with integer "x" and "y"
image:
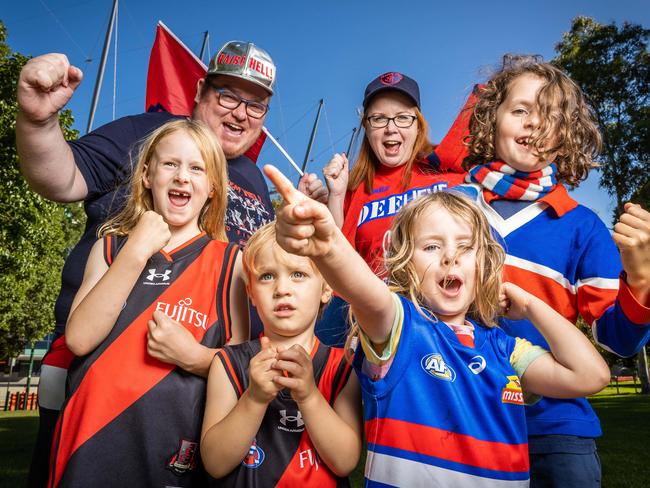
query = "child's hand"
{"x": 262, "y": 388}
{"x": 300, "y": 379}
{"x": 170, "y": 342}
{"x": 336, "y": 175}
{"x": 514, "y": 301}
{"x": 632, "y": 236}
{"x": 304, "y": 226}
{"x": 312, "y": 186}
{"x": 150, "y": 234}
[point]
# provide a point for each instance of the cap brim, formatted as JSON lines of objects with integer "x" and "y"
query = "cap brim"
{"x": 241, "y": 77}
{"x": 385, "y": 89}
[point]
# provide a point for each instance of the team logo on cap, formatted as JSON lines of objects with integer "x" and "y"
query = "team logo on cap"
{"x": 185, "y": 459}
{"x": 392, "y": 78}
{"x": 512, "y": 392}
{"x": 435, "y": 365}
{"x": 254, "y": 458}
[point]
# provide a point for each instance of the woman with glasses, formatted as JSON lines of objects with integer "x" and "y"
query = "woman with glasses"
{"x": 396, "y": 164}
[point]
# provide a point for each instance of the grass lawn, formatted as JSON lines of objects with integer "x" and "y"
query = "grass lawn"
{"x": 17, "y": 435}
{"x": 625, "y": 419}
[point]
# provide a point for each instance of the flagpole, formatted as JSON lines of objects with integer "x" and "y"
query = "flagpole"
{"x": 313, "y": 136}
{"x": 282, "y": 150}
{"x": 203, "y": 45}
{"x": 102, "y": 65}
{"x": 352, "y": 140}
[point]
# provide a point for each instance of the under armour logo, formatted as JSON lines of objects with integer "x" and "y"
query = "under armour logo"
{"x": 291, "y": 418}
{"x": 162, "y": 276}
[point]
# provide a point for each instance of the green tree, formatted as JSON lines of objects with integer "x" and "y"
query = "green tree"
{"x": 35, "y": 234}
{"x": 612, "y": 65}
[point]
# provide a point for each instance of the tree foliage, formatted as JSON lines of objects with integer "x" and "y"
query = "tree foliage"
{"x": 35, "y": 234}
{"x": 612, "y": 65}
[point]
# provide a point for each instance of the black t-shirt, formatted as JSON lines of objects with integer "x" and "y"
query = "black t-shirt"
{"x": 106, "y": 157}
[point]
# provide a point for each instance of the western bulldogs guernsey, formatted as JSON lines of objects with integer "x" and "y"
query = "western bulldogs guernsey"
{"x": 445, "y": 415}
{"x": 283, "y": 454}
{"x": 130, "y": 419}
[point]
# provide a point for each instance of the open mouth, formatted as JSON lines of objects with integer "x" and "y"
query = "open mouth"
{"x": 523, "y": 141}
{"x": 284, "y": 310}
{"x": 392, "y": 147}
{"x": 179, "y": 198}
{"x": 233, "y": 129}
{"x": 451, "y": 284}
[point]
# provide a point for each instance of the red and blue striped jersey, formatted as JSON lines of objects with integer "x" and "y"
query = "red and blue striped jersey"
{"x": 445, "y": 414}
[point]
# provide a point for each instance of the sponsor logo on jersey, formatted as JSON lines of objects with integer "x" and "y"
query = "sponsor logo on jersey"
{"x": 185, "y": 458}
{"x": 183, "y": 313}
{"x": 435, "y": 365}
{"x": 291, "y": 423}
{"x": 477, "y": 365}
{"x": 308, "y": 458}
{"x": 389, "y": 206}
{"x": 254, "y": 458}
{"x": 156, "y": 278}
{"x": 512, "y": 392}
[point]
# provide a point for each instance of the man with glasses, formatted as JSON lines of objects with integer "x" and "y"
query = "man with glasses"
{"x": 233, "y": 100}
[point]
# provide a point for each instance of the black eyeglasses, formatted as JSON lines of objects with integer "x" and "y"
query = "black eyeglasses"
{"x": 403, "y": 121}
{"x": 230, "y": 100}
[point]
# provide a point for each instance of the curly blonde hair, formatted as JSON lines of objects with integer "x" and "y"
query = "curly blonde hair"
{"x": 140, "y": 200}
{"x": 565, "y": 118}
{"x": 403, "y": 277}
{"x": 364, "y": 168}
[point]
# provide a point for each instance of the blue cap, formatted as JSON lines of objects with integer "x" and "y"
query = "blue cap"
{"x": 392, "y": 81}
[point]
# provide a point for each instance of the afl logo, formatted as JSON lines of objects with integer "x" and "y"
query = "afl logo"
{"x": 435, "y": 365}
{"x": 254, "y": 458}
{"x": 392, "y": 78}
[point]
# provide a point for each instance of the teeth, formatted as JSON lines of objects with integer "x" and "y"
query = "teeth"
{"x": 233, "y": 127}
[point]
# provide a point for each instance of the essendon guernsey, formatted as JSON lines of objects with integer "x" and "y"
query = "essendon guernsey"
{"x": 283, "y": 455}
{"x": 132, "y": 420}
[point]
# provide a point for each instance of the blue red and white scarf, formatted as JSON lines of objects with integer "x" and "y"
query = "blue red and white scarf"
{"x": 500, "y": 181}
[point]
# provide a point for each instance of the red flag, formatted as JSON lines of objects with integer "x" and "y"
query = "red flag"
{"x": 451, "y": 151}
{"x": 174, "y": 71}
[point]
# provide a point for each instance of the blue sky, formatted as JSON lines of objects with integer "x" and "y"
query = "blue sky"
{"x": 322, "y": 49}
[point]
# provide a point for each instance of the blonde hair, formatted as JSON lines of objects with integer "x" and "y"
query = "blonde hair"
{"x": 212, "y": 216}
{"x": 364, "y": 168}
{"x": 403, "y": 277}
{"x": 263, "y": 237}
{"x": 565, "y": 117}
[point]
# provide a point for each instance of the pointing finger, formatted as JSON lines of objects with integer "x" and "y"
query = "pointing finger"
{"x": 282, "y": 184}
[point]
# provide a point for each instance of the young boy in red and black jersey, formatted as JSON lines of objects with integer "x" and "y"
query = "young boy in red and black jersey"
{"x": 282, "y": 410}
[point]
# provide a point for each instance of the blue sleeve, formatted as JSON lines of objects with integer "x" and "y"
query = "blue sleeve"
{"x": 619, "y": 323}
